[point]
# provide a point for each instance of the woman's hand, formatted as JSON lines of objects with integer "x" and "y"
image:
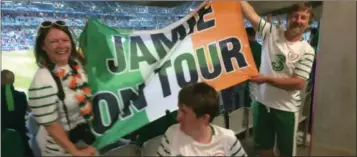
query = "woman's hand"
{"x": 59, "y": 135}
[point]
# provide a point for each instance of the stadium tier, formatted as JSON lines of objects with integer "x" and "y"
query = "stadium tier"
{"x": 20, "y": 19}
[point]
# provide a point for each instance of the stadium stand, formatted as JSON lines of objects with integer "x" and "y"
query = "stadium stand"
{"x": 21, "y": 18}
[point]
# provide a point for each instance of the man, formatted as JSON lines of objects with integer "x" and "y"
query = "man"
{"x": 255, "y": 47}
{"x": 286, "y": 65}
{"x": 13, "y": 109}
{"x": 194, "y": 135}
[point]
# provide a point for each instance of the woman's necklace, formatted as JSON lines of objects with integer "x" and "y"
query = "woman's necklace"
{"x": 75, "y": 83}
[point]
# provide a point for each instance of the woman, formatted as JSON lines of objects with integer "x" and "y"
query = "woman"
{"x": 59, "y": 96}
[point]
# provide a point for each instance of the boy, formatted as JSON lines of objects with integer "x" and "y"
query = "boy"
{"x": 194, "y": 135}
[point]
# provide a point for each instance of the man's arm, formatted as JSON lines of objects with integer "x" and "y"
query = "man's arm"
{"x": 164, "y": 148}
{"x": 250, "y": 14}
{"x": 304, "y": 66}
{"x": 297, "y": 81}
{"x": 292, "y": 83}
{"x": 262, "y": 27}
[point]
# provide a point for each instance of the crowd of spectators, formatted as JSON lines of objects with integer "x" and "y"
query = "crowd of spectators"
{"x": 21, "y": 19}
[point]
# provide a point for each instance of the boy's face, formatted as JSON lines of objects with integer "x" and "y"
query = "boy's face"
{"x": 189, "y": 122}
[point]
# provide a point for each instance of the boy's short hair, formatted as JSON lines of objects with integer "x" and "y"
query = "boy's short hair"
{"x": 202, "y": 98}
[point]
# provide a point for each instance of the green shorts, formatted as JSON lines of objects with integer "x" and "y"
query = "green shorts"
{"x": 270, "y": 124}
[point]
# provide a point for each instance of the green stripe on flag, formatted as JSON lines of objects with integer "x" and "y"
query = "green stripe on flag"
{"x": 122, "y": 128}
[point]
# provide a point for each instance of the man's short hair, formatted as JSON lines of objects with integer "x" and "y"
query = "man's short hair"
{"x": 7, "y": 77}
{"x": 306, "y": 6}
{"x": 250, "y": 31}
{"x": 202, "y": 98}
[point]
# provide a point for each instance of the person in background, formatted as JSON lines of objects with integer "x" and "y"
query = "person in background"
{"x": 255, "y": 47}
{"x": 280, "y": 24}
{"x": 314, "y": 36}
{"x": 270, "y": 18}
{"x": 194, "y": 135}
{"x": 286, "y": 65}
{"x": 13, "y": 109}
{"x": 234, "y": 97}
{"x": 59, "y": 96}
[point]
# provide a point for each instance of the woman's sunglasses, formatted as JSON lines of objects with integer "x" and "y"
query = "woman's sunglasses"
{"x": 46, "y": 24}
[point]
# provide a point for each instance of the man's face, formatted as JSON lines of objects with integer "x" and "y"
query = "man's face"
{"x": 298, "y": 22}
{"x": 189, "y": 122}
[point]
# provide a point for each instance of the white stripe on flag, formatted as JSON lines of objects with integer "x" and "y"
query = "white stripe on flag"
{"x": 157, "y": 104}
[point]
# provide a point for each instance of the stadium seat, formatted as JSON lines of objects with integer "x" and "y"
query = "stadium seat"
{"x": 305, "y": 102}
{"x": 150, "y": 147}
{"x": 32, "y": 124}
{"x": 117, "y": 144}
{"x": 156, "y": 128}
{"x": 126, "y": 150}
{"x": 33, "y": 129}
{"x": 304, "y": 114}
{"x": 11, "y": 143}
{"x": 236, "y": 121}
{"x": 219, "y": 121}
{"x": 250, "y": 113}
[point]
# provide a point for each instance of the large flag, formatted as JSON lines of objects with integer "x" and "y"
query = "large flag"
{"x": 135, "y": 76}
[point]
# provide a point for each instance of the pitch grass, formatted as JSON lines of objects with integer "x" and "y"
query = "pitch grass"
{"x": 22, "y": 63}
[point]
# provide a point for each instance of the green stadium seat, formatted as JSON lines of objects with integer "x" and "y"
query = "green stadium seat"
{"x": 11, "y": 143}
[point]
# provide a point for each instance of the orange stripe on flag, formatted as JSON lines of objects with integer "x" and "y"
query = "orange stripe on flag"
{"x": 228, "y": 23}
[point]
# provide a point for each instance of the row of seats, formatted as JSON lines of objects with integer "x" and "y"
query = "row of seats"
{"x": 240, "y": 121}
{"x": 14, "y": 145}
{"x": 149, "y": 148}
{"x": 237, "y": 123}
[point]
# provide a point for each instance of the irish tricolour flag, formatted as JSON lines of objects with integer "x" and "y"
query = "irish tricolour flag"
{"x": 135, "y": 76}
